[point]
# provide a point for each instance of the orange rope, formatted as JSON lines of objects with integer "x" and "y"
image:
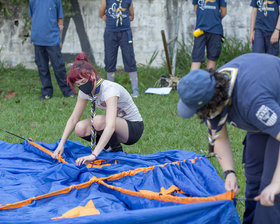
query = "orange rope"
{"x": 60, "y": 159}
{"x": 145, "y": 194}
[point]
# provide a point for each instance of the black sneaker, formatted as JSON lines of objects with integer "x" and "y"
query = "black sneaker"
{"x": 44, "y": 97}
{"x": 117, "y": 148}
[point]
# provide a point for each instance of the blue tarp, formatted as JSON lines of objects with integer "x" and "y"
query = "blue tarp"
{"x": 26, "y": 172}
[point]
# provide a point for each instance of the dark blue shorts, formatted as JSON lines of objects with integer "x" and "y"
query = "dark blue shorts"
{"x": 213, "y": 44}
{"x": 112, "y": 42}
{"x": 261, "y": 43}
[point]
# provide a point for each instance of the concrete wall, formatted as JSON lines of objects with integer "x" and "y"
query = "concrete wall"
{"x": 151, "y": 16}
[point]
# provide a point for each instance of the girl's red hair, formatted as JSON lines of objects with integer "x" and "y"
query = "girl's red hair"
{"x": 82, "y": 68}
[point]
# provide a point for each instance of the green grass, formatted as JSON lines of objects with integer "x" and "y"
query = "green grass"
{"x": 44, "y": 121}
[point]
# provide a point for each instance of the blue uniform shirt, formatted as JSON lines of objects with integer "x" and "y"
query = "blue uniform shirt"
{"x": 208, "y": 15}
{"x": 256, "y": 93}
{"x": 117, "y": 15}
{"x": 45, "y": 15}
{"x": 268, "y": 12}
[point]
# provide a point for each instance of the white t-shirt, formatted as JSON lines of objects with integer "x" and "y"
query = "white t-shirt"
{"x": 126, "y": 107}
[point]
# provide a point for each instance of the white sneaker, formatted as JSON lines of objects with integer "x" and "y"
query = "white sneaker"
{"x": 44, "y": 97}
{"x": 109, "y": 149}
{"x": 135, "y": 93}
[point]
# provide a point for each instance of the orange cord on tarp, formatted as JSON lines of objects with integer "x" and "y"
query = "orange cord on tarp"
{"x": 30, "y": 141}
{"x": 229, "y": 195}
{"x": 60, "y": 159}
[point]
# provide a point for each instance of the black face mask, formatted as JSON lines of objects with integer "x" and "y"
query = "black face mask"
{"x": 86, "y": 88}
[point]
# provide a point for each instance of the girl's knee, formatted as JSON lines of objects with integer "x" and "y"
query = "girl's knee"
{"x": 99, "y": 122}
{"x": 81, "y": 129}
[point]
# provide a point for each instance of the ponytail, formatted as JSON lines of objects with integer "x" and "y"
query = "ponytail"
{"x": 82, "y": 68}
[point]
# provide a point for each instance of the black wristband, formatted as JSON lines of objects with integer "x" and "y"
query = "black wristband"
{"x": 277, "y": 29}
{"x": 227, "y": 172}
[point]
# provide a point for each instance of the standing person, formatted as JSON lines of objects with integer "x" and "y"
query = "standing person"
{"x": 245, "y": 92}
{"x": 117, "y": 14}
{"x": 265, "y": 26}
{"x": 122, "y": 122}
{"x": 46, "y": 33}
{"x": 209, "y": 16}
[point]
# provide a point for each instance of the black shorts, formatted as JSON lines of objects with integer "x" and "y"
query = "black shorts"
{"x": 135, "y": 131}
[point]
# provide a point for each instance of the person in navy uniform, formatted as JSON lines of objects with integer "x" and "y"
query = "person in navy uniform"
{"x": 118, "y": 14}
{"x": 46, "y": 33}
{"x": 245, "y": 92}
{"x": 209, "y": 15}
{"x": 265, "y": 26}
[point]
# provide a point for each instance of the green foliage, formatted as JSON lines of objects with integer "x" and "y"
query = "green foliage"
{"x": 184, "y": 58}
{"x": 67, "y": 9}
{"x": 9, "y": 7}
{"x": 231, "y": 48}
{"x": 18, "y": 9}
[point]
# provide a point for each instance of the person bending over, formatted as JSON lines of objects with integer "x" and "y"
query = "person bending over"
{"x": 121, "y": 124}
{"x": 245, "y": 92}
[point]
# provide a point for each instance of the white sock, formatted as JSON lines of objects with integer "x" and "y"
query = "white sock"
{"x": 133, "y": 80}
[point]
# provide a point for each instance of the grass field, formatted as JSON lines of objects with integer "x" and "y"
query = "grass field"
{"x": 21, "y": 113}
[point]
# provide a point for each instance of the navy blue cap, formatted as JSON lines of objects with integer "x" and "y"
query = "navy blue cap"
{"x": 195, "y": 89}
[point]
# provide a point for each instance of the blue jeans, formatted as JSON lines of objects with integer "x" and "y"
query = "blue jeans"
{"x": 42, "y": 56}
{"x": 262, "y": 43}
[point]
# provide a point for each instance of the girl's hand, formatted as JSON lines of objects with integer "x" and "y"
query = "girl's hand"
{"x": 267, "y": 195}
{"x": 231, "y": 183}
{"x": 59, "y": 150}
{"x": 85, "y": 160}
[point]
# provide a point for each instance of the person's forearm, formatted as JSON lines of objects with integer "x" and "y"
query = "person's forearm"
{"x": 223, "y": 11}
{"x": 70, "y": 125}
{"x": 110, "y": 124}
{"x": 101, "y": 14}
{"x": 131, "y": 12}
{"x": 278, "y": 21}
{"x": 102, "y": 9}
{"x": 278, "y": 24}
{"x": 253, "y": 19}
{"x": 60, "y": 25}
{"x": 195, "y": 8}
{"x": 223, "y": 150}
{"x": 277, "y": 27}
{"x": 104, "y": 139}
